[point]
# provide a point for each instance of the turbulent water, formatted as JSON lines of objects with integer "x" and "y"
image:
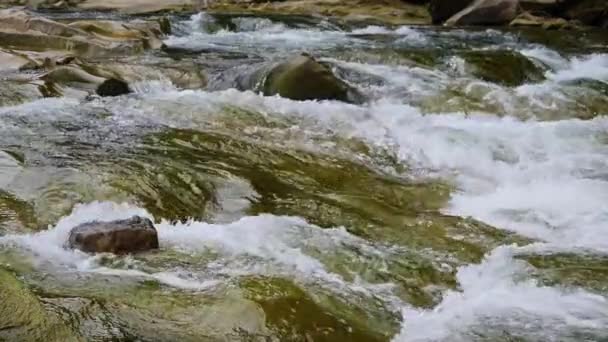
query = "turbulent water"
{"x": 451, "y": 206}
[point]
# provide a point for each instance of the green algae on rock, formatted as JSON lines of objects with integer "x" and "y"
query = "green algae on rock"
{"x": 23, "y": 317}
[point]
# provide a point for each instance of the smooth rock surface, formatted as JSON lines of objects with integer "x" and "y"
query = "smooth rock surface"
{"x": 303, "y": 78}
{"x": 442, "y": 10}
{"x": 486, "y": 12}
{"x": 136, "y": 234}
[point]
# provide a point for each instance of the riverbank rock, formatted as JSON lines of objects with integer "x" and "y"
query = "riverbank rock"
{"x": 182, "y": 74}
{"x": 486, "y": 12}
{"x": 396, "y": 12}
{"x": 547, "y": 23}
{"x": 75, "y": 77}
{"x": 136, "y": 234}
{"x": 303, "y": 78}
{"x": 442, "y": 10}
{"x": 20, "y": 30}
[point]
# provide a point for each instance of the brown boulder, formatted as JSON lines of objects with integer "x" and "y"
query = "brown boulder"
{"x": 442, "y": 10}
{"x": 486, "y": 12}
{"x": 588, "y": 12}
{"x": 120, "y": 237}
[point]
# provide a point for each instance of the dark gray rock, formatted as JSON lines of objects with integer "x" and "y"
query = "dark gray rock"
{"x": 442, "y": 10}
{"x": 136, "y": 234}
{"x": 113, "y": 87}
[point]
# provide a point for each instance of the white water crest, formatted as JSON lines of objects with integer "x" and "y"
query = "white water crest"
{"x": 497, "y": 297}
{"x": 253, "y": 245}
{"x": 202, "y": 31}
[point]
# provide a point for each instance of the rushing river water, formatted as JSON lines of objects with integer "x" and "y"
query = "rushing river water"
{"x": 451, "y": 206}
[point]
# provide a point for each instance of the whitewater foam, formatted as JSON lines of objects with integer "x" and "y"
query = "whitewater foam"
{"x": 495, "y": 297}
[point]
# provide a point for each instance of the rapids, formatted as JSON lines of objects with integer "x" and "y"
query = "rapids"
{"x": 449, "y": 207}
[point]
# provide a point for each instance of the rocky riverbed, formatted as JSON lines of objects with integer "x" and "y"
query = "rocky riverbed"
{"x": 303, "y": 170}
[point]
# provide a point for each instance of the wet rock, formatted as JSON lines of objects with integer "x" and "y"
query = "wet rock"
{"x": 486, "y": 12}
{"x": 508, "y": 68}
{"x": 303, "y": 78}
{"x": 23, "y": 317}
{"x": 588, "y": 12}
{"x": 137, "y": 31}
{"x": 124, "y": 236}
{"x": 21, "y": 30}
{"x": 547, "y": 23}
{"x": 182, "y": 74}
{"x": 442, "y": 10}
{"x": 13, "y": 61}
{"x": 395, "y": 12}
{"x": 113, "y": 87}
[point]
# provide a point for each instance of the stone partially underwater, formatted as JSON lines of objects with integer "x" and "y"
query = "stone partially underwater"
{"x": 132, "y": 235}
{"x": 303, "y": 78}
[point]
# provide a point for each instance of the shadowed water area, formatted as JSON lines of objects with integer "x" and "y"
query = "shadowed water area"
{"x": 466, "y": 198}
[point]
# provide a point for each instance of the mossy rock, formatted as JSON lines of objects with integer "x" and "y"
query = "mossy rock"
{"x": 508, "y": 68}
{"x": 24, "y": 318}
{"x": 303, "y": 78}
{"x": 294, "y": 315}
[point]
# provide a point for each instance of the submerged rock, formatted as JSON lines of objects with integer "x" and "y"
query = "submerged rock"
{"x": 396, "y": 12}
{"x": 123, "y": 236}
{"x": 303, "y": 78}
{"x": 23, "y": 317}
{"x": 508, "y": 68}
{"x": 486, "y": 12}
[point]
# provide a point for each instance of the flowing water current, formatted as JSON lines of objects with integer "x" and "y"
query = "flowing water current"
{"x": 451, "y": 206}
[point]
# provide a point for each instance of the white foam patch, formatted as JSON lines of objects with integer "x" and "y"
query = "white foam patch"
{"x": 260, "y": 33}
{"x": 406, "y": 33}
{"x": 495, "y": 297}
{"x": 594, "y": 67}
{"x": 411, "y": 80}
{"x": 548, "y": 57}
{"x": 263, "y": 237}
{"x": 266, "y": 37}
{"x": 255, "y": 245}
{"x": 564, "y": 72}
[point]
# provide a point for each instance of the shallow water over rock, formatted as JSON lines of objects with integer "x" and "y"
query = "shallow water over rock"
{"x": 457, "y": 203}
